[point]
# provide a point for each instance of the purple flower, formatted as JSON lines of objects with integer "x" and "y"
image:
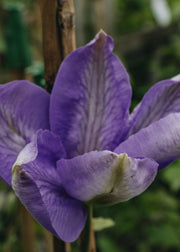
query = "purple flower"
{"x": 80, "y": 145}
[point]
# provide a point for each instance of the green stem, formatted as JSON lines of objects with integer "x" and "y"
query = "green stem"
{"x": 87, "y": 238}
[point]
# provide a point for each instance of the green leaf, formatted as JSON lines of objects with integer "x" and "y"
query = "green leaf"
{"x": 102, "y": 223}
{"x": 171, "y": 175}
{"x": 106, "y": 244}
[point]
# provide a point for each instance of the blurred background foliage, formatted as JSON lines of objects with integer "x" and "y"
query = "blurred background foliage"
{"x": 147, "y": 39}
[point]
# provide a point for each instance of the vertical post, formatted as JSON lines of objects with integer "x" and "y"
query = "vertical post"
{"x": 59, "y": 246}
{"x": 58, "y": 31}
{"x": 48, "y": 241}
{"x": 51, "y": 41}
{"x": 67, "y": 26}
{"x": 27, "y": 230}
{"x": 92, "y": 245}
{"x": 87, "y": 237}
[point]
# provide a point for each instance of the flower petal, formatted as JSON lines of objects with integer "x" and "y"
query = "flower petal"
{"x": 159, "y": 141}
{"x": 29, "y": 194}
{"x": 105, "y": 177}
{"x": 39, "y": 157}
{"x": 38, "y": 185}
{"x": 67, "y": 215}
{"x": 23, "y": 110}
{"x": 161, "y": 100}
{"x": 63, "y": 216}
{"x": 90, "y": 99}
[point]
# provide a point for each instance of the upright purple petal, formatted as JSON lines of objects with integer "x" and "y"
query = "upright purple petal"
{"x": 106, "y": 178}
{"x": 159, "y": 141}
{"x": 38, "y": 186}
{"x": 23, "y": 110}
{"x": 90, "y": 99}
{"x": 161, "y": 100}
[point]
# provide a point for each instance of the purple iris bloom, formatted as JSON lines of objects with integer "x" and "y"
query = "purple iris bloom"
{"x": 80, "y": 145}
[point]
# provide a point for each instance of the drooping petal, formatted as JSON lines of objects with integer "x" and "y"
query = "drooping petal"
{"x": 38, "y": 185}
{"x": 37, "y": 162}
{"x": 105, "y": 177}
{"x": 161, "y": 100}
{"x": 29, "y": 194}
{"x": 23, "y": 110}
{"x": 159, "y": 141}
{"x": 41, "y": 155}
{"x": 90, "y": 99}
{"x": 63, "y": 216}
{"x": 67, "y": 215}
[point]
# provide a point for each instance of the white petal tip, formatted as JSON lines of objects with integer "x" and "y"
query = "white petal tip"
{"x": 176, "y": 78}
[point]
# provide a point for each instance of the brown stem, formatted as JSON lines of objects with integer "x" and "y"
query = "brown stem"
{"x": 67, "y": 26}
{"x": 58, "y": 31}
{"x": 48, "y": 241}
{"x": 68, "y": 247}
{"x": 58, "y": 35}
{"x": 27, "y": 231}
{"x": 51, "y": 41}
{"x": 59, "y": 246}
{"x": 88, "y": 237}
{"x": 92, "y": 245}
